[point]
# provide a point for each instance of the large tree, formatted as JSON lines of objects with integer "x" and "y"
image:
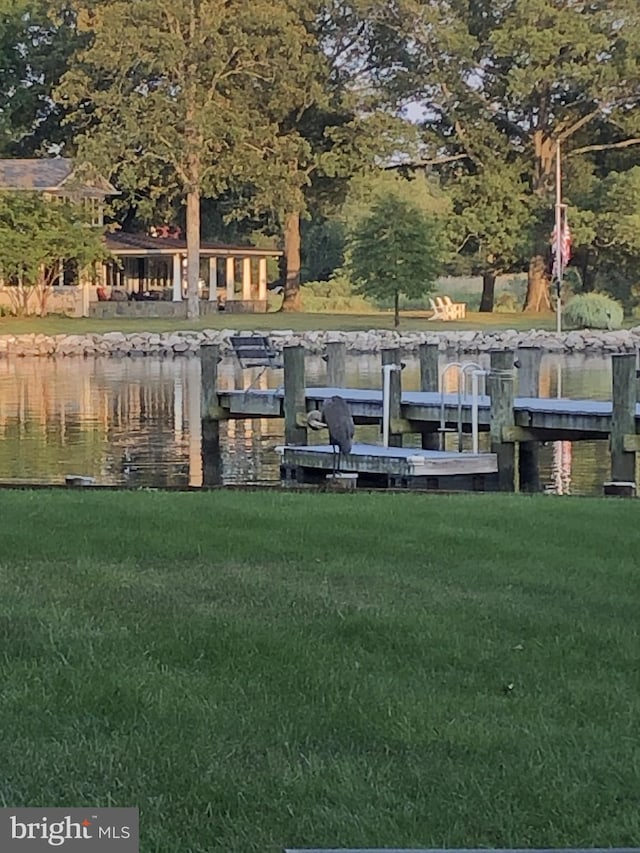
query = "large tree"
{"x": 37, "y": 37}
{"x": 327, "y": 131}
{"x": 490, "y": 223}
{"x": 509, "y": 80}
{"x": 172, "y": 97}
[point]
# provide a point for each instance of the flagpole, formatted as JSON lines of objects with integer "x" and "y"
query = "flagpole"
{"x": 559, "y": 231}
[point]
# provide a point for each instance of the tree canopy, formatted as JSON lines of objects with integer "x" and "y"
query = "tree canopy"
{"x": 37, "y": 237}
{"x": 269, "y": 110}
{"x": 170, "y": 97}
{"x": 395, "y": 249}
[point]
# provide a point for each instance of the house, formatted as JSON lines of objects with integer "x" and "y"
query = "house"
{"x": 147, "y": 272}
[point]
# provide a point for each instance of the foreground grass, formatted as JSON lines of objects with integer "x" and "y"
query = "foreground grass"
{"x": 414, "y": 321}
{"x": 263, "y": 670}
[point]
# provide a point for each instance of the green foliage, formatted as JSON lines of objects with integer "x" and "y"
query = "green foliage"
{"x": 506, "y": 303}
{"x": 177, "y": 101}
{"x": 500, "y": 83}
{"x": 593, "y": 311}
{"x": 395, "y": 249}
{"x": 37, "y": 234}
{"x": 323, "y": 242}
{"x": 337, "y": 295}
{"x": 37, "y": 37}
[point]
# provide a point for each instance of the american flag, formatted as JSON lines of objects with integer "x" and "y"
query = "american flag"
{"x": 565, "y": 246}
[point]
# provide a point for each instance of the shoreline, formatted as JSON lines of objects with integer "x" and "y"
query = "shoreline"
{"x": 188, "y": 343}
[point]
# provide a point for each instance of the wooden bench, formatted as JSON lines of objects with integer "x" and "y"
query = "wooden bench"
{"x": 255, "y": 351}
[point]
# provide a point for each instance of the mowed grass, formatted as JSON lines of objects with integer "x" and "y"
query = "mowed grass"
{"x": 297, "y": 322}
{"x": 261, "y": 670}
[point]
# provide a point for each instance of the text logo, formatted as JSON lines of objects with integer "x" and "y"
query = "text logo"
{"x": 69, "y": 830}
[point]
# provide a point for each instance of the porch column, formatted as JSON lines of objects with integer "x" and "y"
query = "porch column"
{"x": 231, "y": 279}
{"x": 85, "y": 297}
{"x": 246, "y": 279}
{"x": 177, "y": 278}
{"x": 262, "y": 279}
{"x": 213, "y": 279}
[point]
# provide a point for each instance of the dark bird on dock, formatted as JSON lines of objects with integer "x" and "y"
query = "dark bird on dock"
{"x": 336, "y": 417}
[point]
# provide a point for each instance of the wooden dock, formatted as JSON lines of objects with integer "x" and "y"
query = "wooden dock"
{"x": 516, "y": 423}
{"x": 397, "y": 467}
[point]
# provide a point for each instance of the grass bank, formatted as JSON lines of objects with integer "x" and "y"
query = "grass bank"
{"x": 262, "y": 670}
{"x": 412, "y": 321}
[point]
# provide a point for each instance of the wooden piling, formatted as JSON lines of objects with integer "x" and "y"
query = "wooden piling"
{"x": 623, "y": 421}
{"x": 209, "y": 416}
{"x": 294, "y": 395}
{"x": 392, "y": 356}
{"x": 528, "y": 374}
{"x": 336, "y": 364}
{"x": 429, "y": 381}
{"x": 500, "y": 384}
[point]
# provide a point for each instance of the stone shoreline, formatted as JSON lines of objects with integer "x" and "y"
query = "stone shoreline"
{"x": 169, "y": 344}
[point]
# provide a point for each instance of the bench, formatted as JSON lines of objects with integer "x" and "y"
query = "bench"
{"x": 255, "y": 351}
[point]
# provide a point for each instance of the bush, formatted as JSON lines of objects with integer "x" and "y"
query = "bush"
{"x": 506, "y": 303}
{"x": 334, "y": 296}
{"x": 593, "y": 311}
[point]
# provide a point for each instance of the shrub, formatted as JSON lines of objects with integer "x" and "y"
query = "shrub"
{"x": 593, "y": 311}
{"x": 335, "y": 296}
{"x": 506, "y": 303}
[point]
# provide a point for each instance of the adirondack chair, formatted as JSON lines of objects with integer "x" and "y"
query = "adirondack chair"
{"x": 456, "y": 310}
{"x": 439, "y": 312}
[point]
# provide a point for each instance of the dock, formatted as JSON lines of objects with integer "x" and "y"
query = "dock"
{"x": 397, "y": 467}
{"x": 516, "y": 423}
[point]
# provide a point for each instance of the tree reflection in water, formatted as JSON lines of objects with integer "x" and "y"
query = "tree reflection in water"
{"x": 136, "y": 421}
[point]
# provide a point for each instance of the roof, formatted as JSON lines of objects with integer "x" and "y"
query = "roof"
{"x": 142, "y": 245}
{"x": 47, "y": 175}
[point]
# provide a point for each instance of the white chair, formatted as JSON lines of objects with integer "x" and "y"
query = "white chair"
{"x": 455, "y": 310}
{"x": 438, "y": 311}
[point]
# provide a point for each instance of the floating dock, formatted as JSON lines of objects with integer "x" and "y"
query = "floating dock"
{"x": 397, "y": 467}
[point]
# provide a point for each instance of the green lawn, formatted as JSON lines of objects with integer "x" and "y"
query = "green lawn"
{"x": 414, "y": 321}
{"x": 259, "y": 670}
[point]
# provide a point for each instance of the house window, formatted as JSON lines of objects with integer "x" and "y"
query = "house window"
{"x": 93, "y": 209}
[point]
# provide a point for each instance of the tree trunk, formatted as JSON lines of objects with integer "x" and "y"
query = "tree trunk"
{"x": 396, "y": 309}
{"x": 488, "y": 291}
{"x": 193, "y": 254}
{"x": 292, "y": 300}
{"x": 537, "y": 298}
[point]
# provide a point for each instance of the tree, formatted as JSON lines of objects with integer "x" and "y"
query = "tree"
{"x": 36, "y": 39}
{"x": 394, "y": 250}
{"x": 172, "y": 98}
{"x": 506, "y": 81}
{"x": 490, "y": 224}
{"x": 330, "y": 129}
{"x": 37, "y": 237}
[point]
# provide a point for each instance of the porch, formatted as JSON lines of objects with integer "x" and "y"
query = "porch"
{"x": 147, "y": 277}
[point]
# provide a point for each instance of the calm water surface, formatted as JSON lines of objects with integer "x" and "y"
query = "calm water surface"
{"x": 136, "y": 421}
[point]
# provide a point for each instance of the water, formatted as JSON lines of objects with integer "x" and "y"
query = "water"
{"x": 136, "y": 421}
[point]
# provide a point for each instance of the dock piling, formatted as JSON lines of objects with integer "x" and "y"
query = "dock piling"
{"x": 391, "y": 358}
{"x": 529, "y": 359}
{"x": 336, "y": 357}
{"x": 500, "y": 382}
{"x": 623, "y": 371}
{"x": 294, "y": 395}
{"x": 209, "y": 416}
{"x": 429, "y": 355}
